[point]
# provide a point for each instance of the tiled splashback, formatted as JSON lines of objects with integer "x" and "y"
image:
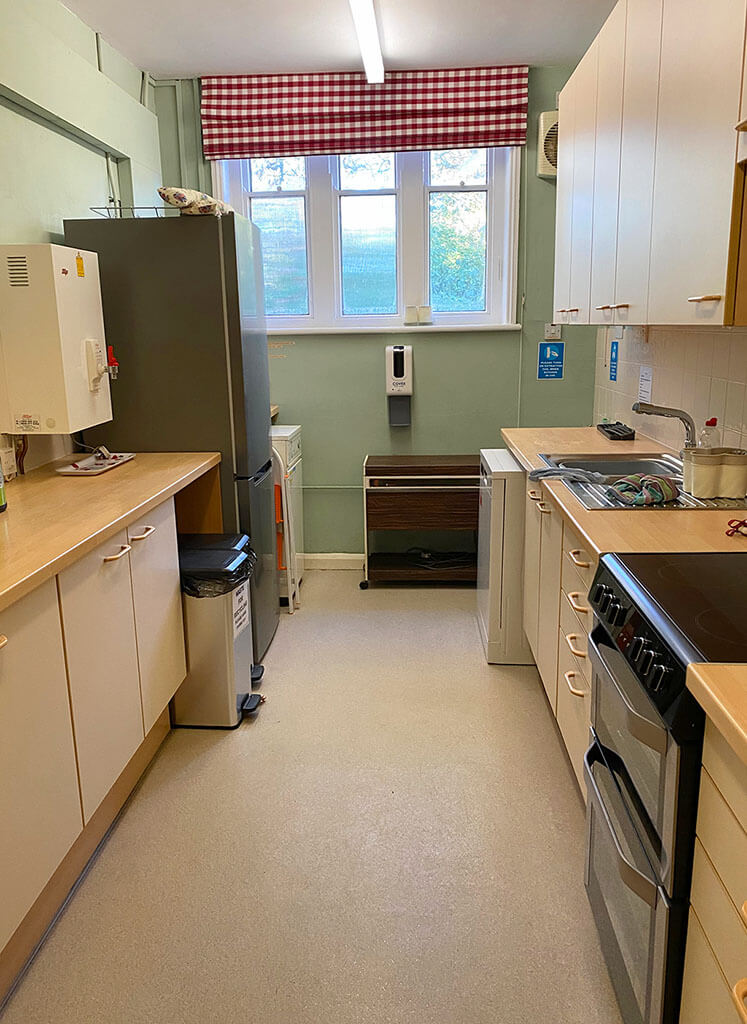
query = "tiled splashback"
{"x": 703, "y": 371}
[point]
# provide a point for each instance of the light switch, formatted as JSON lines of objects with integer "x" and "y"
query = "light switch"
{"x": 553, "y": 332}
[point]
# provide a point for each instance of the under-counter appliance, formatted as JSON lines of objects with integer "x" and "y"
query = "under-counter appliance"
{"x": 286, "y": 441}
{"x": 500, "y": 544}
{"x": 654, "y": 615}
{"x": 54, "y": 369}
{"x": 184, "y": 307}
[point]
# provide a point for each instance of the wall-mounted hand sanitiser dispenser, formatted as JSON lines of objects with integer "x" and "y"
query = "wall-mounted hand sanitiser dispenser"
{"x": 399, "y": 384}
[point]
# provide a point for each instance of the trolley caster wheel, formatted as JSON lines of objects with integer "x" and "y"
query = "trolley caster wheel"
{"x": 363, "y": 584}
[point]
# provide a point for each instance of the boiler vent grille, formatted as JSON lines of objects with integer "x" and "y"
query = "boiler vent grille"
{"x": 18, "y": 271}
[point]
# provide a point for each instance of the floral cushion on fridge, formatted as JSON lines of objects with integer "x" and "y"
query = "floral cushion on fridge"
{"x": 192, "y": 202}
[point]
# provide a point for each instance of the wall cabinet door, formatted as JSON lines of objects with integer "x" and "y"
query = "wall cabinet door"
{"x": 551, "y": 556}
{"x": 637, "y": 152}
{"x": 40, "y": 812}
{"x": 156, "y": 593}
{"x": 99, "y": 625}
{"x": 699, "y": 87}
{"x": 532, "y": 529}
{"x": 584, "y": 136}
{"x": 611, "y": 43}
{"x": 564, "y": 202}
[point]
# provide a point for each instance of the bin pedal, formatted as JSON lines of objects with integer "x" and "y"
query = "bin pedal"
{"x": 251, "y": 703}
{"x": 257, "y": 672}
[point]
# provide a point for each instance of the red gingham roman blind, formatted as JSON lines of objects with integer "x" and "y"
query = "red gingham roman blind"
{"x": 303, "y": 115}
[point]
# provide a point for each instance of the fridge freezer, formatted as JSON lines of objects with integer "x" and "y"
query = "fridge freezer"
{"x": 184, "y": 310}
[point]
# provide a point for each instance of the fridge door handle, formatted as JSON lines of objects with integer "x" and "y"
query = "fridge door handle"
{"x": 260, "y": 476}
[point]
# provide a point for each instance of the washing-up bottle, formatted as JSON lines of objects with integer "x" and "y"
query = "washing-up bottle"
{"x": 710, "y": 435}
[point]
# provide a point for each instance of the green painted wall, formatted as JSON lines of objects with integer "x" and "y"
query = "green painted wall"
{"x": 67, "y": 101}
{"x": 467, "y": 386}
{"x": 76, "y": 126}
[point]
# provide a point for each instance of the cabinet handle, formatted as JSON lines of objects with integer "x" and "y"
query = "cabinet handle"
{"x": 544, "y": 509}
{"x": 743, "y": 911}
{"x": 572, "y": 675}
{"x": 739, "y": 994}
{"x": 120, "y": 554}
{"x": 3, "y": 641}
{"x": 620, "y": 305}
{"x": 572, "y": 309}
{"x": 561, "y": 310}
{"x": 572, "y": 597}
{"x": 741, "y": 126}
{"x": 705, "y": 298}
{"x": 146, "y": 533}
{"x": 534, "y": 496}
{"x": 573, "y": 555}
{"x": 569, "y": 638}
{"x": 606, "y": 306}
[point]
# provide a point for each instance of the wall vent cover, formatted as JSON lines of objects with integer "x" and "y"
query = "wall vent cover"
{"x": 18, "y": 271}
{"x": 547, "y": 145}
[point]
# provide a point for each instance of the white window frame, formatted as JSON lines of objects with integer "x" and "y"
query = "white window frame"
{"x": 412, "y": 190}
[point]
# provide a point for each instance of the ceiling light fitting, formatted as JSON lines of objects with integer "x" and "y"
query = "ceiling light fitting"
{"x": 364, "y": 18}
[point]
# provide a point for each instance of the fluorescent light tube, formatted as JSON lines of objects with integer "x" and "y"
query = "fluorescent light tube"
{"x": 364, "y": 18}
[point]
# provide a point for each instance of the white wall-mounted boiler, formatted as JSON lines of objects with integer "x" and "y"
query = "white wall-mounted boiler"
{"x": 54, "y": 375}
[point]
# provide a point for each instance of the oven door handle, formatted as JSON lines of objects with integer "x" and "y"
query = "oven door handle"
{"x": 651, "y": 734}
{"x": 634, "y": 879}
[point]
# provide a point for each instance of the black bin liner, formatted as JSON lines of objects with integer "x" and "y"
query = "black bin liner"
{"x": 208, "y": 572}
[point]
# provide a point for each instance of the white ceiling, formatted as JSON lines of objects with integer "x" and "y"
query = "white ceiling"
{"x": 192, "y": 37}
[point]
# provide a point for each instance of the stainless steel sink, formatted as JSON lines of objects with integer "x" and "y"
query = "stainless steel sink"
{"x": 614, "y": 466}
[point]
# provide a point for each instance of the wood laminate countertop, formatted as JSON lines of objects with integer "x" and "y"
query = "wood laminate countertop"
{"x": 627, "y": 529}
{"x": 52, "y": 520}
{"x": 721, "y": 690}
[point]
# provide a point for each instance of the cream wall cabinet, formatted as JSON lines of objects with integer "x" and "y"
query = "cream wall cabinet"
{"x": 532, "y": 535}
{"x": 551, "y": 554}
{"x": 651, "y": 188}
{"x": 699, "y": 92}
{"x": 99, "y": 624}
{"x": 637, "y": 152}
{"x": 156, "y": 593}
{"x": 584, "y": 137}
{"x": 564, "y": 206}
{"x": 606, "y": 182}
{"x": 39, "y": 802}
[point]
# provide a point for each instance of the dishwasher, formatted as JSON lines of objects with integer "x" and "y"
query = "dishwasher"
{"x": 500, "y": 558}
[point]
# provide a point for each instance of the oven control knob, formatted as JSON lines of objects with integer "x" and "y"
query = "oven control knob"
{"x": 636, "y": 647}
{"x": 621, "y": 613}
{"x": 599, "y": 591}
{"x": 613, "y": 610}
{"x": 646, "y": 662}
{"x": 605, "y": 601}
{"x": 659, "y": 676}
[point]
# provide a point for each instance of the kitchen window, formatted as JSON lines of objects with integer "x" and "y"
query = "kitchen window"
{"x": 363, "y": 240}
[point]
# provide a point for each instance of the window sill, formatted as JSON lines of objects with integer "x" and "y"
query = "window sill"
{"x": 273, "y": 332}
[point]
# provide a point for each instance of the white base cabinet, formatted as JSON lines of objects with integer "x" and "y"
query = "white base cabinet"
{"x": 157, "y": 598}
{"x": 99, "y": 624}
{"x": 40, "y": 812}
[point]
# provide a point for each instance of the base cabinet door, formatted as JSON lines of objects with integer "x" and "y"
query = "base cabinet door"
{"x": 40, "y": 815}
{"x": 573, "y": 708}
{"x": 551, "y": 556}
{"x": 99, "y": 625}
{"x": 532, "y": 527}
{"x": 157, "y": 598}
{"x": 705, "y": 995}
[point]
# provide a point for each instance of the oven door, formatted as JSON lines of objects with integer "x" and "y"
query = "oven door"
{"x": 631, "y": 910}
{"x": 628, "y": 725}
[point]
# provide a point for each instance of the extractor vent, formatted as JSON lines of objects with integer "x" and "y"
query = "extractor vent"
{"x": 18, "y": 271}
{"x": 547, "y": 145}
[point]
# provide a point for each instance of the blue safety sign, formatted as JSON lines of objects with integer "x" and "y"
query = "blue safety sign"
{"x": 614, "y": 354}
{"x": 550, "y": 360}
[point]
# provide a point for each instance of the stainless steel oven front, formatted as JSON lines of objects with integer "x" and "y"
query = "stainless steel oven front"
{"x": 642, "y": 793}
